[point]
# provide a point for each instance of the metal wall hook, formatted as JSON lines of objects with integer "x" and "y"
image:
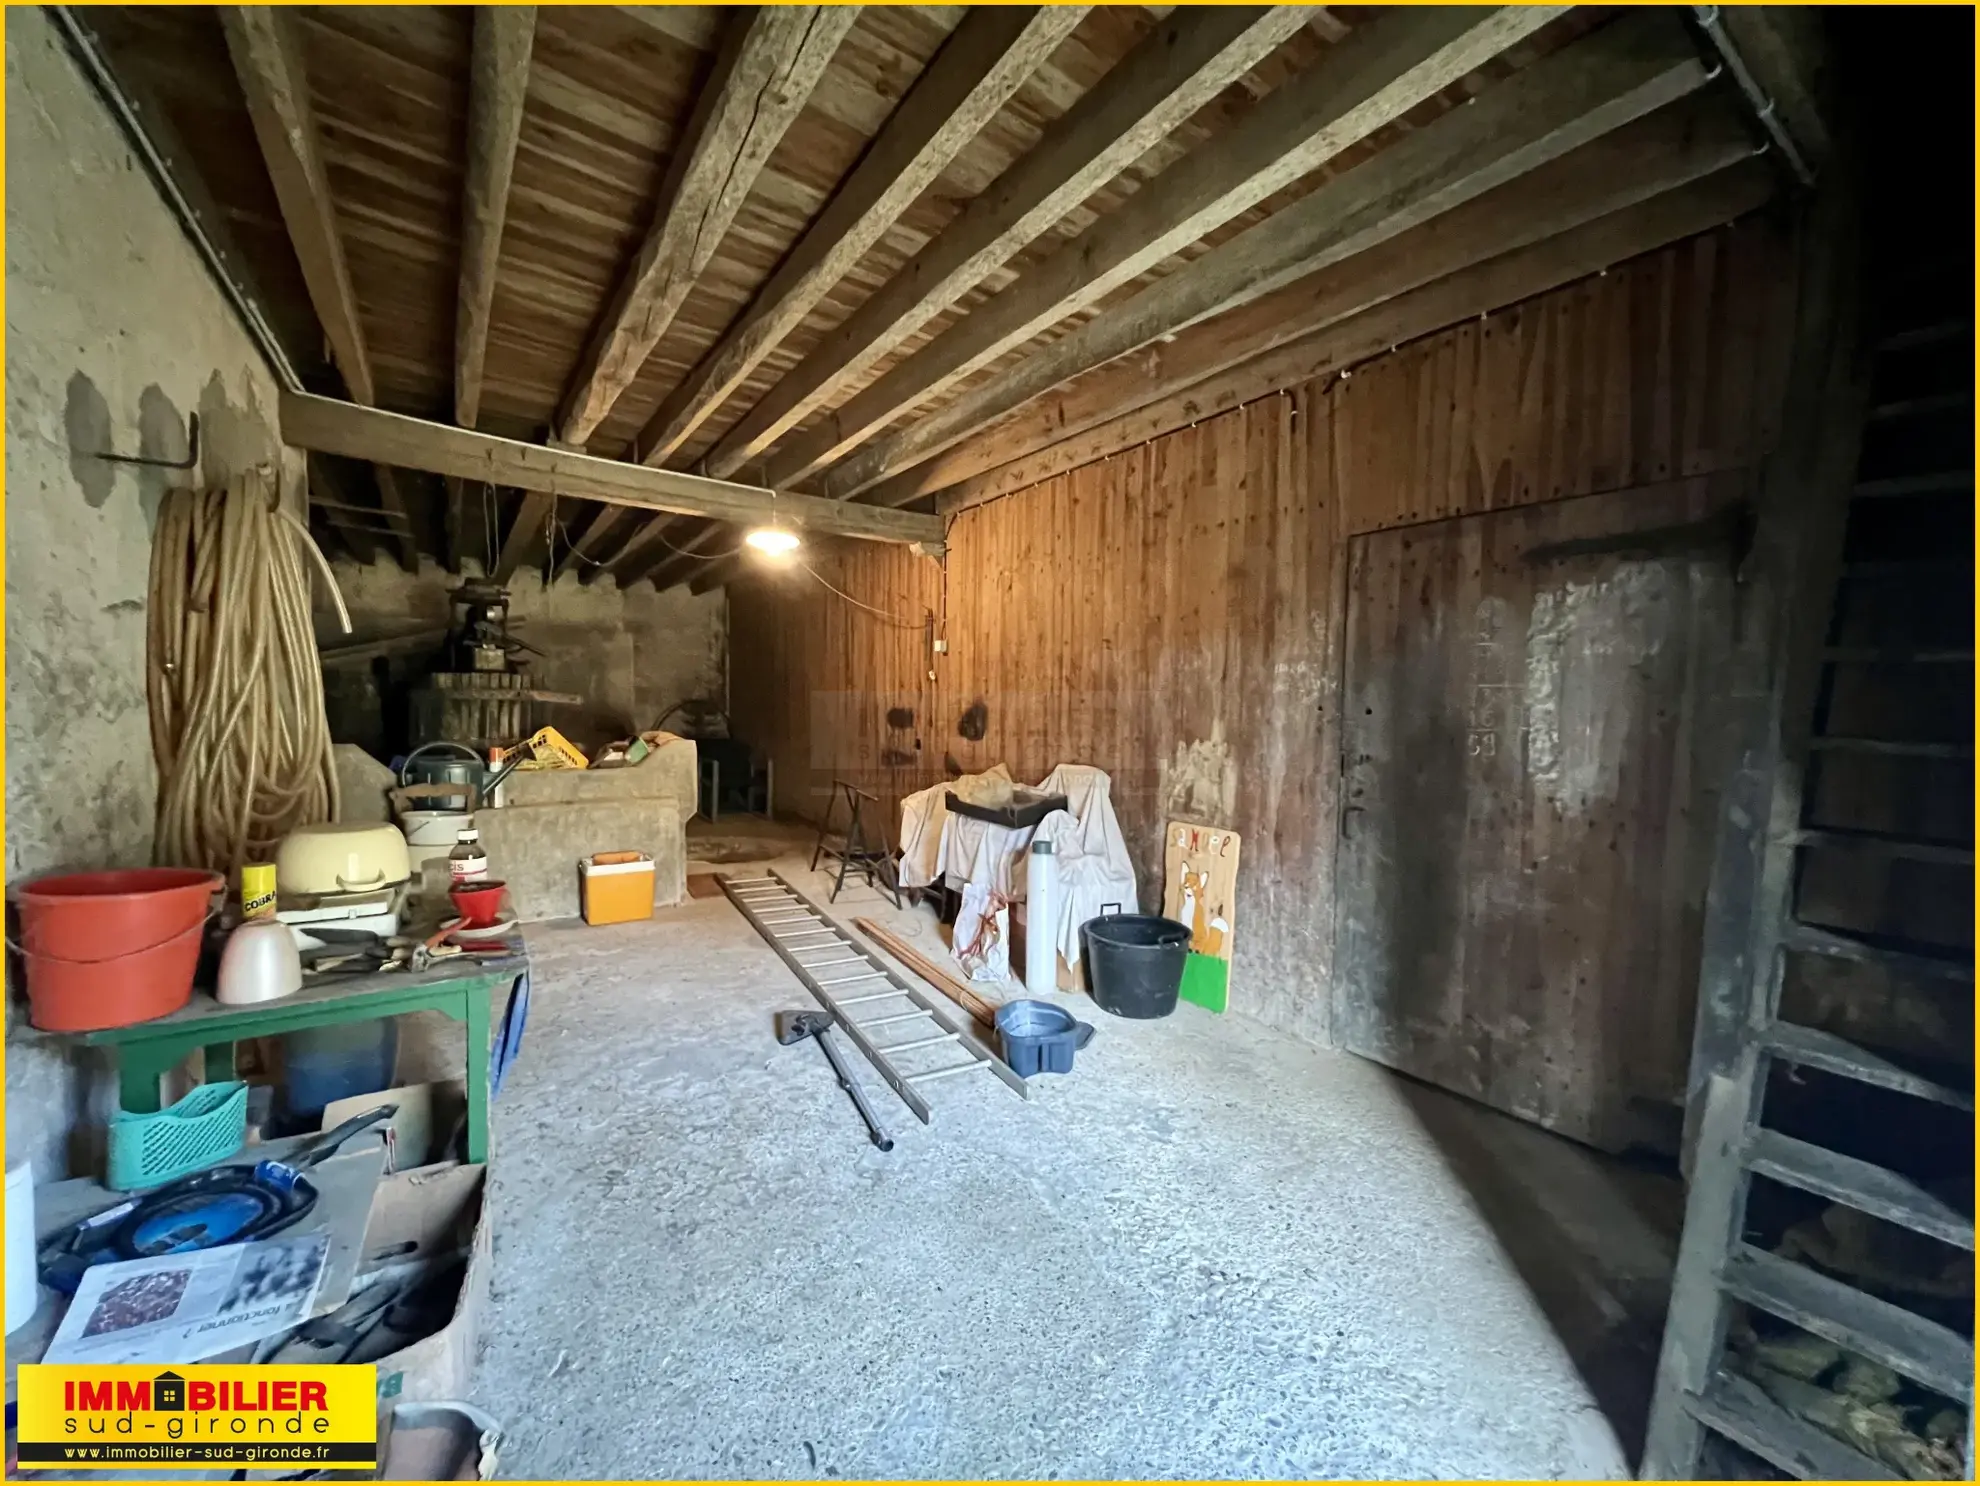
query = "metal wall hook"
{"x": 190, "y": 461}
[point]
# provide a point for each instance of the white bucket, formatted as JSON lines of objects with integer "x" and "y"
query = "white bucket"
{"x": 431, "y": 833}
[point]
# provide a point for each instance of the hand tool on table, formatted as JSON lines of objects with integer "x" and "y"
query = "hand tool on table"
{"x": 796, "y": 1026}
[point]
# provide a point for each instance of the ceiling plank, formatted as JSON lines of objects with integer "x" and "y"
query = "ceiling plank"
{"x": 1178, "y": 68}
{"x": 981, "y": 64}
{"x": 1379, "y": 73}
{"x": 772, "y": 57}
{"x": 498, "y": 83}
{"x": 1627, "y": 69}
{"x": 1663, "y": 152}
{"x": 268, "y": 59}
{"x": 328, "y": 426}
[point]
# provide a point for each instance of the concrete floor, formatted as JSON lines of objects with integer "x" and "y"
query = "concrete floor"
{"x": 1210, "y": 1251}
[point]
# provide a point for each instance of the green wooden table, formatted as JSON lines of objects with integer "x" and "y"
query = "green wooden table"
{"x": 460, "y": 989}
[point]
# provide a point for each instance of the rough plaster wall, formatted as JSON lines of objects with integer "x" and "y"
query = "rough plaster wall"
{"x": 114, "y": 335}
{"x": 632, "y": 653}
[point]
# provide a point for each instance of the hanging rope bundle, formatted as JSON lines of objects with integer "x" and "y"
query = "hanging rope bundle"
{"x": 234, "y": 684}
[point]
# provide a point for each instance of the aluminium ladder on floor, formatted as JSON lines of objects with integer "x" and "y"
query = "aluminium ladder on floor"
{"x": 1716, "y": 1267}
{"x": 845, "y": 976}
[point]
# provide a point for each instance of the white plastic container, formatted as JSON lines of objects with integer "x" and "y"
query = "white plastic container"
{"x": 1041, "y": 921}
{"x": 23, "y": 1287}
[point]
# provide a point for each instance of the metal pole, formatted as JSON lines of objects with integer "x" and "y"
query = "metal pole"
{"x": 851, "y": 1085}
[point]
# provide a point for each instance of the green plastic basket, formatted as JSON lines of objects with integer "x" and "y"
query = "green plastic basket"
{"x": 208, "y": 1125}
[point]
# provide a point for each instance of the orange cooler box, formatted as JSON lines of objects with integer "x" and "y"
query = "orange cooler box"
{"x": 616, "y": 887}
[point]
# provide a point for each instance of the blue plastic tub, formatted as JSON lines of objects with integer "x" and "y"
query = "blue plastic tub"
{"x": 1038, "y": 1037}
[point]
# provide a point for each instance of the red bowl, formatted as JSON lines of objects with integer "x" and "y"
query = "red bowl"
{"x": 480, "y": 904}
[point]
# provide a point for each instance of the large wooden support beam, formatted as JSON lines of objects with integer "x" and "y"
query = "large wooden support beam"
{"x": 1374, "y": 77}
{"x": 498, "y": 82}
{"x": 268, "y": 59}
{"x": 985, "y": 60}
{"x": 771, "y": 59}
{"x": 1644, "y": 160}
{"x": 1178, "y": 68}
{"x": 1629, "y": 68}
{"x": 327, "y": 426}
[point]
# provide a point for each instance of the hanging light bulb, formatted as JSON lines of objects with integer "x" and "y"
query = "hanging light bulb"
{"x": 773, "y": 539}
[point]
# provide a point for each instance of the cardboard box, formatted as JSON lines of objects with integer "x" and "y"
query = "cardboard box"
{"x": 434, "y": 1213}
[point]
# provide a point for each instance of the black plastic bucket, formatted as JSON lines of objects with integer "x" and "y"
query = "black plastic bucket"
{"x": 1134, "y": 963}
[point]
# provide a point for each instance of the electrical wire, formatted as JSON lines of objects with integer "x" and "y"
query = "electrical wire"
{"x": 234, "y": 684}
{"x": 893, "y": 619}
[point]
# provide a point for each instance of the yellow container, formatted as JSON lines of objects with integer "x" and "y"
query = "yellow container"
{"x": 258, "y": 890}
{"x": 616, "y": 892}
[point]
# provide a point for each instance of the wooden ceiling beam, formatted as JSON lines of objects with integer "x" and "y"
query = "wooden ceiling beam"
{"x": 1655, "y": 155}
{"x": 1487, "y": 287}
{"x": 984, "y": 61}
{"x": 1627, "y": 69}
{"x": 1382, "y": 71}
{"x": 268, "y": 59}
{"x": 498, "y": 84}
{"x": 1178, "y": 68}
{"x": 1181, "y": 66}
{"x": 771, "y": 58}
{"x": 328, "y": 426}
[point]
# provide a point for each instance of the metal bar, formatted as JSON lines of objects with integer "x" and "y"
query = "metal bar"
{"x": 876, "y": 996}
{"x": 846, "y": 980}
{"x": 935, "y": 1073}
{"x": 903, "y": 1047}
{"x": 883, "y": 1021}
{"x": 1762, "y": 101}
{"x": 852, "y": 1086}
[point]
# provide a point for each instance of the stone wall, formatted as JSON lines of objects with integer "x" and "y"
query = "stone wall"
{"x": 631, "y": 653}
{"x": 115, "y": 334}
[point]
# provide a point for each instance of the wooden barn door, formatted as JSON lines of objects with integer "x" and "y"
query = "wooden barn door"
{"x": 1529, "y": 799}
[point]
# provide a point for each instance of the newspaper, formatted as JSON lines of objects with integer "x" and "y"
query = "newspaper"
{"x": 184, "y": 1307}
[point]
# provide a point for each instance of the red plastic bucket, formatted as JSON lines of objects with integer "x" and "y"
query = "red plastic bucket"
{"x": 106, "y": 949}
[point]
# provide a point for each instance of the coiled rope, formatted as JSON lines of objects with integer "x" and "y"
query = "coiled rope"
{"x": 234, "y": 684}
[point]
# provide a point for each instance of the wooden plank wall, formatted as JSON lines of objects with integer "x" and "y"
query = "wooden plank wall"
{"x": 1173, "y": 614}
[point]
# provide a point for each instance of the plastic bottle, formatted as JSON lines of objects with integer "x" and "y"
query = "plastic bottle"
{"x": 467, "y": 862}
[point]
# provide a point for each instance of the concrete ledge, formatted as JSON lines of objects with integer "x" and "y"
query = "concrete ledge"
{"x": 668, "y": 774}
{"x": 535, "y": 849}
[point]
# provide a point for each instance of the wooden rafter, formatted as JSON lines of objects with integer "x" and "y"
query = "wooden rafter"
{"x": 267, "y": 56}
{"x": 327, "y": 426}
{"x": 771, "y": 59}
{"x": 498, "y": 82}
{"x": 1629, "y": 68}
{"x": 1656, "y": 155}
{"x": 1181, "y": 66}
{"x": 1176, "y": 69}
{"x": 985, "y": 60}
{"x": 1379, "y": 73}
{"x": 1488, "y": 286}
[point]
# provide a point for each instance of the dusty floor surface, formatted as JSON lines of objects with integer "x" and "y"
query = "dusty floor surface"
{"x": 1210, "y": 1251}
